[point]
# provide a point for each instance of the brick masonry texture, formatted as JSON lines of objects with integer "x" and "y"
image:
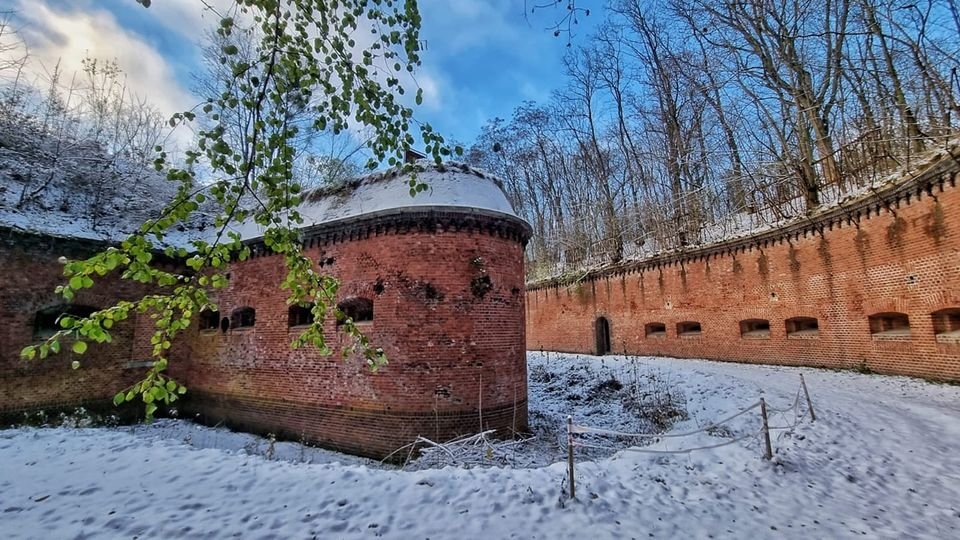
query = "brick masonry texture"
{"x": 455, "y": 357}
{"x": 447, "y": 293}
{"x": 898, "y": 252}
{"x": 31, "y": 272}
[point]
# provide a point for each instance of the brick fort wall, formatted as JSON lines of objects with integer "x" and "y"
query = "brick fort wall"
{"x": 894, "y": 257}
{"x": 31, "y": 271}
{"x": 447, "y": 294}
{"x": 448, "y": 310}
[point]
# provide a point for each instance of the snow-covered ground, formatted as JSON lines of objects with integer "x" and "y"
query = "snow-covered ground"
{"x": 881, "y": 461}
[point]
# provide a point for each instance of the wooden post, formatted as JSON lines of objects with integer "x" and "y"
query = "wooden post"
{"x": 573, "y": 492}
{"x": 768, "y": 451}
{"x": 813, "y": 415}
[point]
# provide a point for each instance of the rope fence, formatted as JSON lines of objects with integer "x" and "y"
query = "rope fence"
{"x": 681, "y": 451}
{"x": 586, "y": 429}
{"x": 573, "y": 430}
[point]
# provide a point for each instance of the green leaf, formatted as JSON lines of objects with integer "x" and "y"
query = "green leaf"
{"x": 310, "y": 44}
{"x": 74, "y": 365}
{"x": 119, "y": 399}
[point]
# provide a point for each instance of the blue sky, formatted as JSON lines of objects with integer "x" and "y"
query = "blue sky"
{"x": 483, "y": 57}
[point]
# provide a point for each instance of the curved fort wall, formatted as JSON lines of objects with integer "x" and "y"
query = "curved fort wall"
{"x": 440, "y": 273}
{"x": 873, "y": 284}
{"x": 447, "y": 298}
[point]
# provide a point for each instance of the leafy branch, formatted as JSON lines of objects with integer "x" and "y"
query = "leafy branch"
{"x": 306, "y": 57}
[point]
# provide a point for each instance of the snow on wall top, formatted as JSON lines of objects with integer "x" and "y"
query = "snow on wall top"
{"x": 935, "y": 161}
{"x": 78, "y": 197}
{"x": 450, "y": 186}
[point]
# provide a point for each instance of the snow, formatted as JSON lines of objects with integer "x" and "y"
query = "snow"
{"x": 451, "y": 185}
{"x": 725, "y": 226}
{"x": 84, "y": 196}
{"x": 879, "y": 462}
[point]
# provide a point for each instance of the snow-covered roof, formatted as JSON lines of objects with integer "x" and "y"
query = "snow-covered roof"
{"x": 451, "y": 187}
{"x": 62, "y": 186}
{"x": 78, "y": 197}
{"x": 80, "y": 201}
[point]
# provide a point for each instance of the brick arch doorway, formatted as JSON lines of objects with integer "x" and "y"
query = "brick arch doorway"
{"x": 603, "y": 335}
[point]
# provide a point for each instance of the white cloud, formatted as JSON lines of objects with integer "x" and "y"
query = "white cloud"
{"x": 430, "y": 83}
{"x": 189, "y": 18}
{"x": 54, "y": 34}
{"x": 464, "y": 24}
{"x": 67, "y": 33}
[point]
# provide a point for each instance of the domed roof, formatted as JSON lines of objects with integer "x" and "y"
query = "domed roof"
{"x": 451, "y": 187}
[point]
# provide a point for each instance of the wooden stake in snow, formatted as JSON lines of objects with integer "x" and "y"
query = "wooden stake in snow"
{"x": 768, "y": 452}
{"x": 480, "y": 404}
{"x": 573, "y": 492}
{"x": 813, "y": 415}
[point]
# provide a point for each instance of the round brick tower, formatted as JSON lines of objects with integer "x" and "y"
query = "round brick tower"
{"x": 437, "y": 281}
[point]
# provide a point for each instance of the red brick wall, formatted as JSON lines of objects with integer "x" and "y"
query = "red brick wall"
{"x": 449, "y": 350}
{"x": 456, "y": 357}
{"x": 905, "y": 259}
{"x": 30, "y": 272}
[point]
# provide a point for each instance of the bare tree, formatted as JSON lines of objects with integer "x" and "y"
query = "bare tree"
{"x": 684, "y": 123}
{"x": 322, "y": 158}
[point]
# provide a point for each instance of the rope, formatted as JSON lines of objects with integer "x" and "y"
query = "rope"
{"x": 796, "y": 402}
{"x": 795, "y": 423}
{"x": 586, "y": 429}
{"x": 683, "y": 451}
{"x": 795, "y": 408}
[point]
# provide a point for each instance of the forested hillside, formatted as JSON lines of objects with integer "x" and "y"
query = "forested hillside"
{"x": 76, "y": 149}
